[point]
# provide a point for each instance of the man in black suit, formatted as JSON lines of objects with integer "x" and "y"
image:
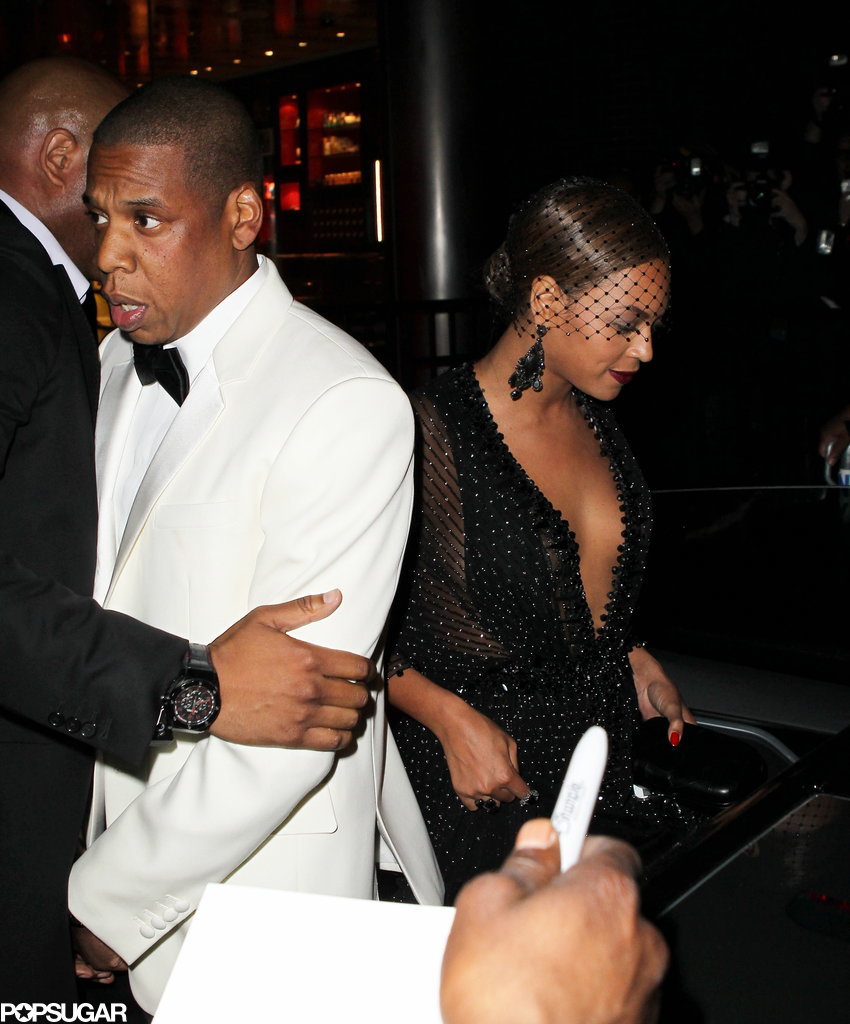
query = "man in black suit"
{"x": 74, "y": 677}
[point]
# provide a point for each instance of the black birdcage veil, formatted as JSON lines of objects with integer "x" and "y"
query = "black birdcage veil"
{"x": 583, "y": 254}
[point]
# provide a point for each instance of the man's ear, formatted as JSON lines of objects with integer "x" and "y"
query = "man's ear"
{"x": 248, "y": 208}
{"x": 60, "y": 156}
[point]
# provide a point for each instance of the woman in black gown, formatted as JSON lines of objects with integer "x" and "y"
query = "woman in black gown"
{"x": 529, "y": 544}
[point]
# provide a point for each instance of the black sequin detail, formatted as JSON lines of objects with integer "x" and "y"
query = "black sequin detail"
{"x": 493, "y": 608}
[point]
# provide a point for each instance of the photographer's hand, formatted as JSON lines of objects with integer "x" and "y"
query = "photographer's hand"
{"x": 690, "y": 208}
{"x": 663, "y": 181}
{"x": 736, "y": 200}
{"x": 784, "y": 208}
{"x": 531, "y": 944}
{"x": 821, "y": 102}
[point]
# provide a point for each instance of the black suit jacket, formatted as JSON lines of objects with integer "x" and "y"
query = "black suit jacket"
{"x": 72, "y": 676}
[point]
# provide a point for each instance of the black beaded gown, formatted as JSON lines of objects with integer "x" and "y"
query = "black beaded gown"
{"x": 492, "y": 606}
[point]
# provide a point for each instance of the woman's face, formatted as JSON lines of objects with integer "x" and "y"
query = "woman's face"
{"x": 598, "y": 340}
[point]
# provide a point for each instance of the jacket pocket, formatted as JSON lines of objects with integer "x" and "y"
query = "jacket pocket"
{"x": 181, "y": 517}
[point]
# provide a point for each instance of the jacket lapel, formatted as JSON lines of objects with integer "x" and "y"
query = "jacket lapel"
{"x": 114, "y": 413}
{"x": 232, "y": 360}
{"x": 197, "y": 415}
{"x": 85, "y": 338}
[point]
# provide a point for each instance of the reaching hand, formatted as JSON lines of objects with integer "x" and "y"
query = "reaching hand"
{"x": 657, "y": 694}
{"x": 529, "y": 944}
{"x": 482, "y": 759}
{"x": 277, "y": 690}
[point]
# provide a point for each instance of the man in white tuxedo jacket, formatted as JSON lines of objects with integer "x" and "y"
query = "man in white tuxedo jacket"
{"x": 285, "y": 470}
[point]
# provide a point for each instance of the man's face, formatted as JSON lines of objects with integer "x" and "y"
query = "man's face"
{"x": 165, "y": 254}
{"x": 66, "y": 215}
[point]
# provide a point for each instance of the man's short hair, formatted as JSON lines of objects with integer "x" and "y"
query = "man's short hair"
{"x": 214, "y": 130}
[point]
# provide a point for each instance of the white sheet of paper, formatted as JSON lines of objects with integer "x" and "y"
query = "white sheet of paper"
{"x": 265, "y": 955}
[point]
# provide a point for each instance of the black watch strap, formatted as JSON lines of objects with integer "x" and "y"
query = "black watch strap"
{"x": 197, "y": 659}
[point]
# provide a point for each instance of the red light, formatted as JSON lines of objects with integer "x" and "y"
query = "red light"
{"x": 65, "y": 38}
{"x": 830, "y": 901}
{"x": 290, "y": 196}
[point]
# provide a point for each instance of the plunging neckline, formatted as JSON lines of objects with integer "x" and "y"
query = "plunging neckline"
{"x": 555, "y": 516}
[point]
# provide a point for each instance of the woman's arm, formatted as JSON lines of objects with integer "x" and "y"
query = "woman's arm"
{"x": 482, "y": 758}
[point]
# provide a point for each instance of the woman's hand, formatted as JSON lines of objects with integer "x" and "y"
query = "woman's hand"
{"x": 657, "y": 694}
{"x": 482, "y": 759}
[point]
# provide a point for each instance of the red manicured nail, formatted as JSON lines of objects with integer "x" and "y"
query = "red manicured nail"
{"x": 674, "y": 739}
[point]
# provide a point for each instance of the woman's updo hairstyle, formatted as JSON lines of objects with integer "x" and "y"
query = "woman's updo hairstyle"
{"x": 576, "y": 230}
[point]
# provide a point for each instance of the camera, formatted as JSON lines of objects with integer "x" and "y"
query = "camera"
{"x": 760, "y": 193}
{"x": 834, "y": 79}
{"x": 825, "y": 243}
{"x": 760, "y": 181}
{"x": 687, "y": 174}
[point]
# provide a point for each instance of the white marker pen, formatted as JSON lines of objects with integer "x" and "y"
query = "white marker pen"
{"x": 577, "y": 799}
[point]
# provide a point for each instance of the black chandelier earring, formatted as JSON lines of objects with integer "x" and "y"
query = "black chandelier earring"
{"x": 529, "y": 368}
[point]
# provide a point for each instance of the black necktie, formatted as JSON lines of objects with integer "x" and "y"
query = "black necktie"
{"x": 155, "y": 363}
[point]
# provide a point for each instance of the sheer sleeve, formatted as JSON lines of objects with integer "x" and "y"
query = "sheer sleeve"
{"x": 436, "y": 619}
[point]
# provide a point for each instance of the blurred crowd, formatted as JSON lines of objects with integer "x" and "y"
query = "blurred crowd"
{"x": 757, "y": 355}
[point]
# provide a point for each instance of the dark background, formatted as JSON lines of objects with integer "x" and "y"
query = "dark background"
{"x": 561, "y": 88}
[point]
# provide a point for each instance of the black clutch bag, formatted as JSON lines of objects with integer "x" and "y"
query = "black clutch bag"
{"x": 709, "y": 770}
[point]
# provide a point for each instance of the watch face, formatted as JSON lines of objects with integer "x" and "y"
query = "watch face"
{"x": 195, "y": 706}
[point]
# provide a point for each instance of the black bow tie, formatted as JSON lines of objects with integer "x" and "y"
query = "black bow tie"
{"x": 155, "y": 363}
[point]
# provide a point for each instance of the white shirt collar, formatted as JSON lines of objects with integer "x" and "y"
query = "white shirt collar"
{"x": 58, "y": 256}
{"x": 197, "y": 346}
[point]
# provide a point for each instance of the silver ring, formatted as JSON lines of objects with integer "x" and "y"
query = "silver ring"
{"x": 531, "y": 797}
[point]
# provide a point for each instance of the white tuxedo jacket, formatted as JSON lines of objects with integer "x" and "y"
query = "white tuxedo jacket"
{"x": 287, "y": 471}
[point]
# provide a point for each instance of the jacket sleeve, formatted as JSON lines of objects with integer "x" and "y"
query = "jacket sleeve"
{"x": 72, "y": 666}
{"x": 335, "y": 512}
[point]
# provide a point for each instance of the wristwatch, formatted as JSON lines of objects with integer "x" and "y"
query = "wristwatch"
{"x": 192, "y": 701}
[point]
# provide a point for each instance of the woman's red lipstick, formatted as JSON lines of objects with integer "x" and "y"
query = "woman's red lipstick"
{"x": 622, "y": 376}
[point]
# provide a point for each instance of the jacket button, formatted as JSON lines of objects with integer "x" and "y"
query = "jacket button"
{"x": 72, "y": 725}
{"x": 88, "y": 730}
{"x": 56, "y": 720}
{"x": 146, "y": 931}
